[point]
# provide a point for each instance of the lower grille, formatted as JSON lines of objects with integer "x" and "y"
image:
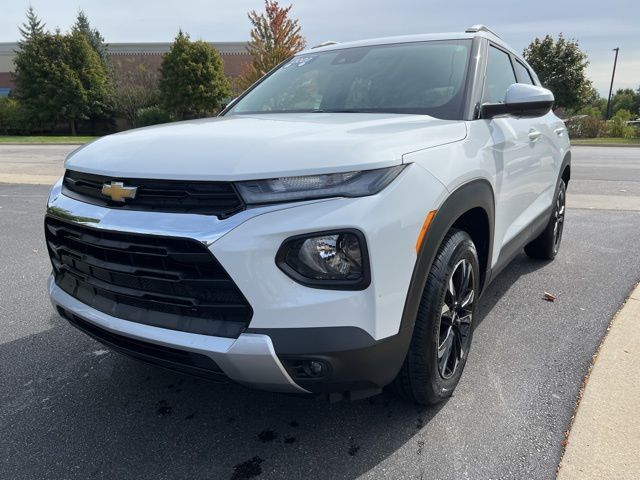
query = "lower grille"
{"x": 182, "y": 361}
{"x": 166, "y": 282}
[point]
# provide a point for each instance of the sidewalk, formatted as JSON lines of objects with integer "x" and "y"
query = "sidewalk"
{"x": 33, "y": 164}
{"x": 604, "y": 442}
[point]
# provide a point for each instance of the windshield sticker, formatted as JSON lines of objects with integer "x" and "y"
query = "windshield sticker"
{"x": 301, "y": 61}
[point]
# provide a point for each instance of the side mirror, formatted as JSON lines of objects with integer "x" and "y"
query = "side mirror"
{"x": 521, "y": 100}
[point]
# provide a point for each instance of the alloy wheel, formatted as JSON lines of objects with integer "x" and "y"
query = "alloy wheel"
{"x": 455, "y": 319}
{"x": 558, "y": 219}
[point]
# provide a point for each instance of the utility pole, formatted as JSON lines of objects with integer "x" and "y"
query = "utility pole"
{"x": 611, "y": 87}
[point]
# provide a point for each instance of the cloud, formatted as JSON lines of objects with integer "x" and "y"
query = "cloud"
{"x": 627, "y": 75}
{"x": 598, "y": 27}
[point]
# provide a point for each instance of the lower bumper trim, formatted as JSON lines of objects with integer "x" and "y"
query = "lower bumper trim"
{"x": 179, "y": 360}
{"x": 250, "y": 359}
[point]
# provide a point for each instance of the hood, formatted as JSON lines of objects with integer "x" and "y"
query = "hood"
{"x": 242, "y": 147}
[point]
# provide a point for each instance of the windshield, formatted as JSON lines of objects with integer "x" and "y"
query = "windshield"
{"x": 420, "y": 78}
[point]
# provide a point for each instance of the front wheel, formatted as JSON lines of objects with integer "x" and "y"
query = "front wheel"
{"x": 444, "y": 323}
{"x": 547, "y": 244}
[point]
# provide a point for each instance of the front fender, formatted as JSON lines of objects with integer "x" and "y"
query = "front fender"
{"x": 474, "y": 194}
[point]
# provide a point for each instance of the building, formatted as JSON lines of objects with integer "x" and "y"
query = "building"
{"x": 127, "y": 55}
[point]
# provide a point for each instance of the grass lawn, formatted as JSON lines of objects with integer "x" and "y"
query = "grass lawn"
{"x": 605, "y": 141}
{"x": 44, "y": 139}
{"x": 80, "y": 140}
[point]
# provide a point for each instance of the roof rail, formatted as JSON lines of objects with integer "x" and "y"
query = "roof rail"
{"x": 481, "y": 28}
{"x": 324, "y": 44}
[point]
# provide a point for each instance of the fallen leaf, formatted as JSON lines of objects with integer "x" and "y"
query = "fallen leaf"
{"x": 549, "y": 297}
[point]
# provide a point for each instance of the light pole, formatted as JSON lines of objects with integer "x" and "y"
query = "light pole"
{"x": 611, "y": 87}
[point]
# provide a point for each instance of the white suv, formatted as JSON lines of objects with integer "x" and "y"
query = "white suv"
{"x": 331, "y": 231}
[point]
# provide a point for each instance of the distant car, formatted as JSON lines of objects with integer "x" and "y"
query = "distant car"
{"x": 331, "y": 232}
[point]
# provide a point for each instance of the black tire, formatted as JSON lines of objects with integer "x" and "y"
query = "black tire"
{"x": 546, "y": 245}
{"x": 422, "y": 378}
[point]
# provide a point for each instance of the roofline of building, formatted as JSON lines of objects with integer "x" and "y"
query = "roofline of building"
{"x": 147, "y": 48}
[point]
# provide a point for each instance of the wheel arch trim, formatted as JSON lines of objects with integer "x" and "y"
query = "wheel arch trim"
{"x": 566, "y": 162}
{"x": 477, "y": 193}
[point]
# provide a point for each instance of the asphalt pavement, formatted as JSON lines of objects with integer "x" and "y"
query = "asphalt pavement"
{"x": 605, "y": 434}
{"x": 69, "y": 408}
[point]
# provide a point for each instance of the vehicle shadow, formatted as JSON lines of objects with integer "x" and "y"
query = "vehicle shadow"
{"x": 86, "y": 412}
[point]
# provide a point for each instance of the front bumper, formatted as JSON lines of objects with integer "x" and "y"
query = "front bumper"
{"x": 357, "y": 333}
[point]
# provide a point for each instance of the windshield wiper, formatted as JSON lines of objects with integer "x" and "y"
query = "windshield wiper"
{"x": 321, "y": 110}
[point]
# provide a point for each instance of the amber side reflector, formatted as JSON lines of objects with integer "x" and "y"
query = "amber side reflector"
{"x": 425, "y": 227}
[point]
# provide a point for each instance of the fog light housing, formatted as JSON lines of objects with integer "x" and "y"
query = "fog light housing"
{"x": 335, "y": 260}
{"x": 307, "y": 368}
{"x": 315, "y": 369}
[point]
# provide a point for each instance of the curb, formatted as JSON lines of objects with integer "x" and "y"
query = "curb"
{"x": 622, "y": 145}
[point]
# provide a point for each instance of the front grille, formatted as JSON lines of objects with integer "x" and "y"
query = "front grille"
{"x": 166, "y": 282}
{"x": 170, "y": 196}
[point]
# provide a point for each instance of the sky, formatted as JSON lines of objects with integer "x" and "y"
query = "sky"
{"x": 599, "y": 26}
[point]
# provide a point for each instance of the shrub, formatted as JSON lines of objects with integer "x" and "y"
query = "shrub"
{"x": 586, "y": 127}
{"x": 592, "y": 127}
{"x": 591, "y": 111}
{"x": 631, "y": 132}
{"x": 618, "y": 125}
{"x": 13, "y": 118}
{"x": 153, "y": 115}
{"x": 623, "y": 114}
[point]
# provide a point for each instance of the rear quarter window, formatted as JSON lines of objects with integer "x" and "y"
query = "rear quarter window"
{"x": 524, "y": 76}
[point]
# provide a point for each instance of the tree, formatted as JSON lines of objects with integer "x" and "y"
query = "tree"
{"x": 274, "y": 38}
{"x": 192, "y": 79}
{"x": 82, "y": 26}
{"x": 561, "y": 65}
{"x": 136, "y": 89}
{"x": 32, "y": 28}
{"x": 60, "y": 78}
{"x": 94, "y": 38}
{"x": 625, "y": 99}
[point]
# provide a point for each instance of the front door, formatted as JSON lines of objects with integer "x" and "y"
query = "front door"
{"x": 517, "y": 151}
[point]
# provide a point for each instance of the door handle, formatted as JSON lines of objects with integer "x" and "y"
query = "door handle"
{"x": 559, "y": 131}
{"x": 534, "y": 135}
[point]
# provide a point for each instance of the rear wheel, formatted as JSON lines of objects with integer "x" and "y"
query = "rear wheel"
{"x": 547, "y": 244}
{"x": 444, "y": 323}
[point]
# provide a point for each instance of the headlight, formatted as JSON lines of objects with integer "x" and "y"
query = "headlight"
{"x": 347, "y": 184}
{"x": 334, "y": 260}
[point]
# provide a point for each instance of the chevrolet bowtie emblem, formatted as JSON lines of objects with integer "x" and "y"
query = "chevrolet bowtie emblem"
{"x": 118, "y": 192}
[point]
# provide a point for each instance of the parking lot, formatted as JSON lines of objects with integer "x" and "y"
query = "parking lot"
{"x": 69, "y": 408}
